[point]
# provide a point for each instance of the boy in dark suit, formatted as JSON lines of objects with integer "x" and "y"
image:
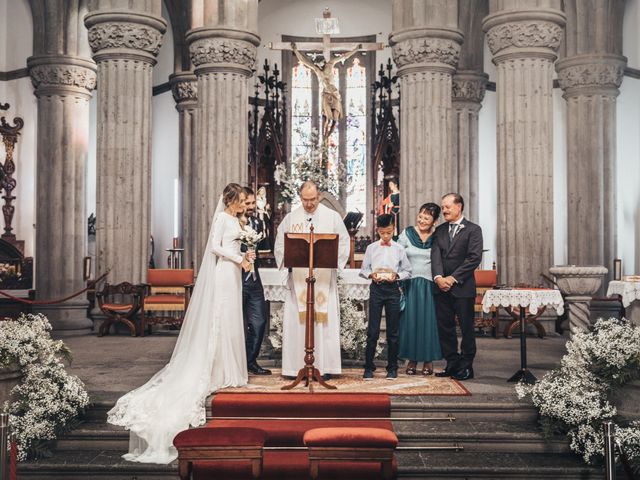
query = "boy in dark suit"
{"x": 455, "y": 254}
{"x": 385, "y": 263}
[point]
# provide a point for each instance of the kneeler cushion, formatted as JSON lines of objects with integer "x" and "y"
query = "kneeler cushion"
{"x": 350, "y": 437}
{"x": 220, "y": 437}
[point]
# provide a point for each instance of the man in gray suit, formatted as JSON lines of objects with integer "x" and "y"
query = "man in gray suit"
{"x": 455, "y": 253}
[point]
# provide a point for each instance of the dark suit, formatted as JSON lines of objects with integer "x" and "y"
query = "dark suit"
{"x": 254, "y": 308}
{"x": 459, "y": 258}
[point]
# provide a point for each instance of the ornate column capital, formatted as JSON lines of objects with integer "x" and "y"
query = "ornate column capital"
{"x": 222, "y": 49}
{"x": 524, "y": 33}
{"x": 433, "y": 49}
{"x": 589, "y": 74}
{"x": 59, "y": 74}
{"x": 125, "y": 35}
{"x": 469, "y": 86}
{"x": 184, "y": 87}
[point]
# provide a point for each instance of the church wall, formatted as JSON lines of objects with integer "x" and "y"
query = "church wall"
{"x": 16, "y": 23}
{"x": 164, "y": 167}
{"x": 164, "y": 152}
{"x": 487, "y": 177}
{"x": 628, "y": 151}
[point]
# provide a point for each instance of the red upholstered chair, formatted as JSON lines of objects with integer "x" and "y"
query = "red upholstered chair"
{"x": 485, "y": 280}
{"x": 168, "y": 290}
{"x": 219, "y": 444}
{"x": 350, "y": 444}
{"x": 120, "y": 303}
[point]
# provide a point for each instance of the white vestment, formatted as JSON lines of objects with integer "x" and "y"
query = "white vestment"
{"x": 327, "y": 333}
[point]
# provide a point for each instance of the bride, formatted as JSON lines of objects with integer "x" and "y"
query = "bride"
{"x": 209, "y": 353}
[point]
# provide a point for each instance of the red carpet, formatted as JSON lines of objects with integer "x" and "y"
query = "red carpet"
{"x": 287, "y": 419}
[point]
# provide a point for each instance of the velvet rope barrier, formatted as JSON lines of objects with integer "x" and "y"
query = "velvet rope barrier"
{"x": 53, "y": 302}
{"x": 13, "y": 459}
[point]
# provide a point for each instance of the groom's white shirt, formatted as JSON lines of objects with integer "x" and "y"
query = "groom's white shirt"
{"x": 327, "y": 334}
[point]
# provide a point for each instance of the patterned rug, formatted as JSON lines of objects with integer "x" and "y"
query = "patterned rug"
{"x": 351, "y": 381}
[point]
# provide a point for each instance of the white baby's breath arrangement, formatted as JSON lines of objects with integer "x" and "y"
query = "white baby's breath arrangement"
{"x": 47, "y": 400}
{"x": 576, "y": 397}
{"x": 353, "y": 327}
{"x": 312, "y": 166}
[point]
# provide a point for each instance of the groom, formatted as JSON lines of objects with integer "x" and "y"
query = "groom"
{"x": 254, "y": 308}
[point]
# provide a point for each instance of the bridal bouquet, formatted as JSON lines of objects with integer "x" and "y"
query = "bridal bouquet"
{"x": 250, "y": 239}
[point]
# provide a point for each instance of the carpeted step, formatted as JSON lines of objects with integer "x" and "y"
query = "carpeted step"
{"x": 288, "y": 465}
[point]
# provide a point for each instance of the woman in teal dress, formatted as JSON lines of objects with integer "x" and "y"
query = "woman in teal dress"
{"x": 419, "y": 341}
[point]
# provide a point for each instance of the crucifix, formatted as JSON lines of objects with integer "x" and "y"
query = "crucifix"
{"x": 332, "y": 110}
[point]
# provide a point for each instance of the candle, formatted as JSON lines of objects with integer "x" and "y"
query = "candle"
{"x": 617, "y": 269}
{"x": 176, "y": 206}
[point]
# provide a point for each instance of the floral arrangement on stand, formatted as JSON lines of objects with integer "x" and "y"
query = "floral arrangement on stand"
{"x": 353, "y": 327}
{"x": 47, "y": 400}
{"x": 576, "y": 398}
{"x": 314, "y": 166}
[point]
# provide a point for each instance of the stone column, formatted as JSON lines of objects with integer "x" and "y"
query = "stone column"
{"x": 468, "y": 92}
{"x": 184, "y": 87}
{"x": 426, "y": 47}
{"x": 589, "y": 76}
{"x": 469, "y": 86}
{"x": 63, "y": 85}
{"x": 223, "y": 52}
{"x": 125, "y": 45}
{"x": 524, "y": 44}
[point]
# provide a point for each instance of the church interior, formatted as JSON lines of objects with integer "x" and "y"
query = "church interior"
{"x": 122, "y": 121}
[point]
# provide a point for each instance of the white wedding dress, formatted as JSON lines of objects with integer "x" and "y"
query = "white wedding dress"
{"x": 209, "y": 354}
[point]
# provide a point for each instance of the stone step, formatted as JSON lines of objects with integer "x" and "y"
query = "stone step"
{"x": 412, "y": 464}
{"x": 478, "y": 436}
{"x": 447, "y": 465}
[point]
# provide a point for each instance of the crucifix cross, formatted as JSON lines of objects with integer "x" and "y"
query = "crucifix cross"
{"x": 331, "y": 102}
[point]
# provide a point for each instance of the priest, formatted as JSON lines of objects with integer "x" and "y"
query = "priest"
{"x": 327, "y": 307}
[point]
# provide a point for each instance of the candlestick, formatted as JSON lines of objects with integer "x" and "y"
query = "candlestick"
{"x": 617, "y": 269}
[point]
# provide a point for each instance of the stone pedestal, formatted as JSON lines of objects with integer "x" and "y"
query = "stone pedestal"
{"x": 125, "y": 45}
{"x": 63, "y": 86}
{"x": 578, "y": 284}
{"x": 524, "y": 44}
{"x": 184, "y": 87}
{"x": 223, "y": 59}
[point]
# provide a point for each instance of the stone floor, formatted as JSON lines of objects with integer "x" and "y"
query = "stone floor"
{"x": 115, "y": 364}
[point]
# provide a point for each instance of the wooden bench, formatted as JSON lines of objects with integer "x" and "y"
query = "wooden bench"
{"x": 219, "y": 444}
{"x": 343, "y": 444}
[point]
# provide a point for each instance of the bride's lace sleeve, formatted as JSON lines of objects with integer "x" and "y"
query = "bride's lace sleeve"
{"x": 218, "y": 246}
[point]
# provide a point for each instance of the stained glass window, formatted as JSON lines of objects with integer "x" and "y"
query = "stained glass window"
{"x": 347, "y": 160}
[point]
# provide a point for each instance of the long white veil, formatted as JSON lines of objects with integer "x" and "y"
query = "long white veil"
{"x": 173, "y": 399}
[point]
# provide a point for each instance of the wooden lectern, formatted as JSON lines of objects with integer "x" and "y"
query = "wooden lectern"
{"x": 312, "y": 251}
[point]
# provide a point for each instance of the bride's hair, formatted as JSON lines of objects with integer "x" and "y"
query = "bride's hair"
{"x": 231, "y": 194}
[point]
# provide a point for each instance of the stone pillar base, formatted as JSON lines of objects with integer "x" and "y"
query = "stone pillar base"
{"x": 68, "y": 319}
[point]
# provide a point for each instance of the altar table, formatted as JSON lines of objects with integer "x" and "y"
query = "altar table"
{"x": 536, "y": 300}
{"x": 275, "y": 286}
{"x": 629, "y": 290}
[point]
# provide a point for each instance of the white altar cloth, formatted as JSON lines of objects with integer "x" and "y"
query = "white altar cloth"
{"x": 274, "y": 282}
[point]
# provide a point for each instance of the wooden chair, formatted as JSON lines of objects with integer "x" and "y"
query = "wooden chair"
{"x": 120, "y": 303}
{"x": 485, "y": 280}
{"x": 168, "y": 290}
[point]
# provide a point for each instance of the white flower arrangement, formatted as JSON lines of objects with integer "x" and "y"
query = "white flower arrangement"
{"x": 312, "y": 166}
{"x": 47, "y": 400}
{"x": 249, "y": 237}
{"x": 353, "y": 327}
{"x": 575, "y": 398}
